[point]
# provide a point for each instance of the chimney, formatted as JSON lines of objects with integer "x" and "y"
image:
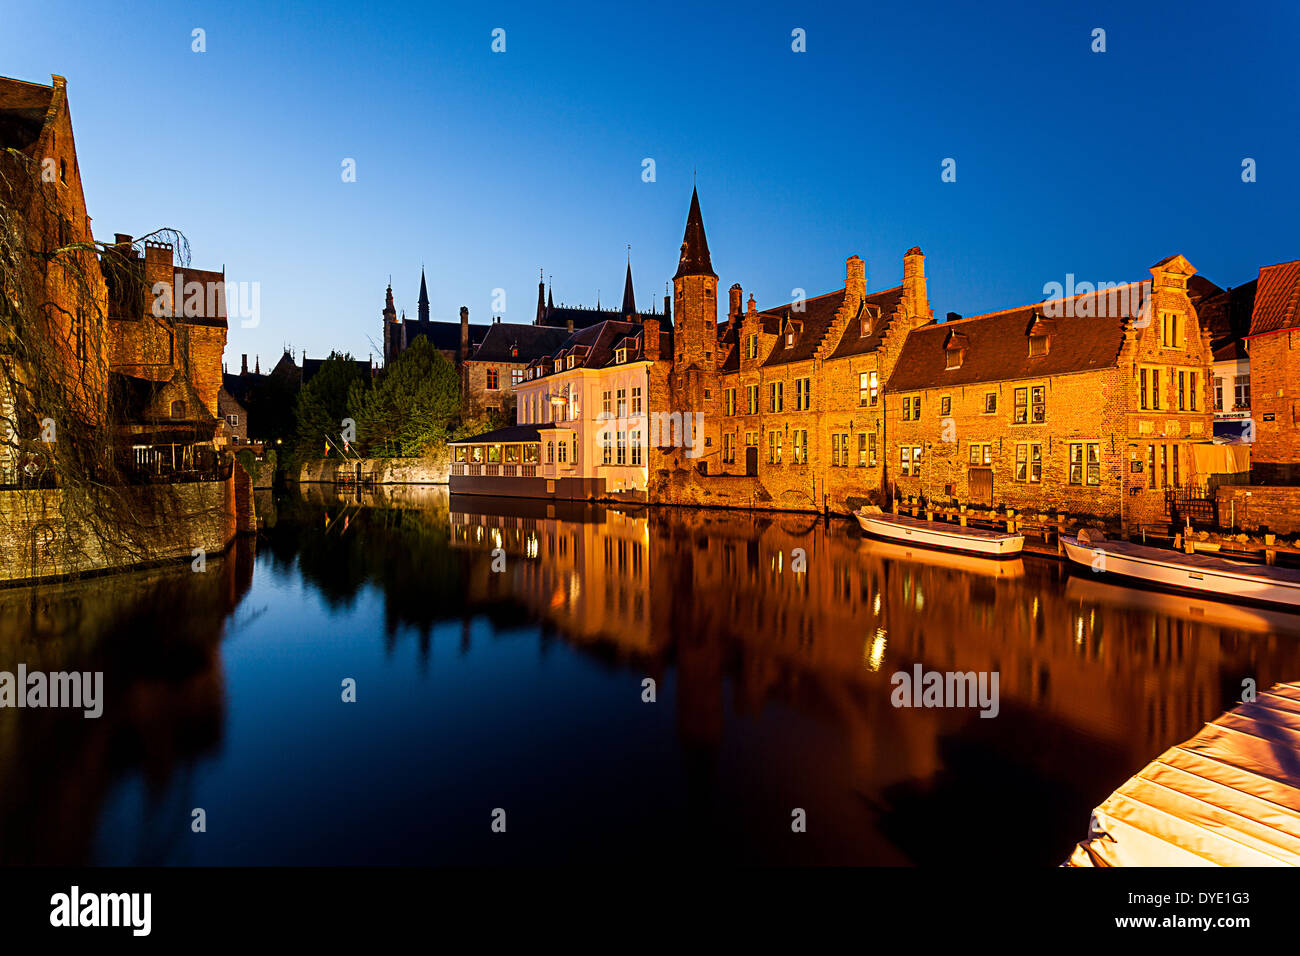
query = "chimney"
{"x": 736, "y": 294}
{"x": 916, "y": 299}
{"x": 464, "y": 332}
{"x": 243, "y": 364}
{"x": 855, "y": 277}
{"x": 569, "y": 324}
{"x": 650, "y": 342}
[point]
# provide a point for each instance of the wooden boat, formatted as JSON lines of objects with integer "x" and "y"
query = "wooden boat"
{"x": 1214, "y": 577}
{"x": 903, "y": 529}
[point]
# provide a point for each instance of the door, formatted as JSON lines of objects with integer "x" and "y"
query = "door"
{"x": 751, "y": 459}
{"x": 981, "y": 487}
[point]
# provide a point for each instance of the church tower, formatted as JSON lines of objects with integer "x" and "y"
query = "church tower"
{"x": 694, "y": 382}
{"x": 424, "y": 299}
{"x": 392, "y": 330}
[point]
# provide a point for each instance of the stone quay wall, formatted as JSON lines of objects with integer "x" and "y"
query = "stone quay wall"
{"x": 38, "y": 540}
{"x": 380, "y": 471}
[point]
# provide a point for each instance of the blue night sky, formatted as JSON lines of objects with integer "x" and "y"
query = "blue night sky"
{"x": 487, "y": 167}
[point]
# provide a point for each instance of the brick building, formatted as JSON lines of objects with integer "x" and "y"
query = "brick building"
{"x": 492, "y": 358}
{"x": 792, "y": 395}
{"x": 178, "y": 328}
{"x": 1087, "y": 404}
{"x": 1274, "y": 346}
{"x": 43, "y": 181}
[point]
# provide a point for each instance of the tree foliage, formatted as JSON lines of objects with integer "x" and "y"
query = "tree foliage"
{"x": 413, "y": 408}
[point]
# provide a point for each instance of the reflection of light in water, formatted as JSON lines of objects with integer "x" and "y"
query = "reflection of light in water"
{"x": 478, "y": 533}
{"x": 1078, "y": 630}
{"x": 531, "y": 548}
{"x": 496, "y": 536}
{"x": 876, "y": 652}
{"x": 1035, "y": 610}
{"x": 920, "y": 598}
{"x": 875, "y": 605}
{"x": 575, "y": 587}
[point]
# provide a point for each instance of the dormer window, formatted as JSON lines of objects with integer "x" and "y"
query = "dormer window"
{"x": 1040, "y": 335}
{"x": 620, "y": 356}
{"x": 514, "y": 351}
{"x": 569, "y": 362}
{"x": 865, "y": 329}
{"x": 955, "y": 347}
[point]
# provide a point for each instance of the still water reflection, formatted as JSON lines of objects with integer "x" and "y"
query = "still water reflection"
{"x": 521, "y": 689}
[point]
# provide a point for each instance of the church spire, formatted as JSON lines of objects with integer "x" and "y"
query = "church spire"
{"x": 424, "y": 298}
{"x": 390, "y": 312}
{"x": 541, "y": 298}
{"x": 629, "y": 300}
{"x": 695, "y": 247}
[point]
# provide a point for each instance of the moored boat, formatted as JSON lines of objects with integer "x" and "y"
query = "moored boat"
{"x": 1215, "y": 577}
{"x": 903, "y": 529}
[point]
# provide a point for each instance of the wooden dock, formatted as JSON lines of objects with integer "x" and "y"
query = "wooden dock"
{"x": 1230, "y": 796}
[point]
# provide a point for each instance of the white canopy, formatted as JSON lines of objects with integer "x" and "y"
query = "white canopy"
{"x": 1230, "y": 796}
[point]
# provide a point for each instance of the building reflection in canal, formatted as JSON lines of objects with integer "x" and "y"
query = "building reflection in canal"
{"x": 1095, "y": 678}
{"x": 501, "y": 647}
{"x": 156, "y": 636}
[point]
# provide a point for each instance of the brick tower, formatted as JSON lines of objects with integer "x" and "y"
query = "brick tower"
{"x": 693, "y": 385}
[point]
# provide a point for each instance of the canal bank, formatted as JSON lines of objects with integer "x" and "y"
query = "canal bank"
{"x": 49, "y": 534}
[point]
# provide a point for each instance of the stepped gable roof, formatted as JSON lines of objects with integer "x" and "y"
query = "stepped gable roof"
{"x": 1277, "y": 298}
{"x": 997, "y": 344}
{"x": 813, "y": 324}
{"x": 530, "y": 341}
{"x": 879, "y": 308}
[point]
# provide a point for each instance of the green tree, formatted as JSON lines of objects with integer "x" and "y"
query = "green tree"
{"x": 413, "y": 408}
{"x": 323, "y": 404}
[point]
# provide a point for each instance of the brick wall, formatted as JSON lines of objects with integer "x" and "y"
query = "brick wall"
{"x": 1275, "y": 405}
{"x": 38, "y": 542}
{"x": 1250, "y": 506}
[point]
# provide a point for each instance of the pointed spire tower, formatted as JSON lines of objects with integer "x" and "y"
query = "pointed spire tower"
{"x": 541, "y": 298}
{"x": 629, "y": 298}
{"x": 424, "y": 298}
{"x": 694, "y": 382}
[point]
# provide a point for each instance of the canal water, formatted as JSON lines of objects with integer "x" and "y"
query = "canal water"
{"x": 501, "y": 653}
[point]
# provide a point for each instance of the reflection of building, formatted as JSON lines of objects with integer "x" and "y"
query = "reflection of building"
{"x": 591, "y": 577}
